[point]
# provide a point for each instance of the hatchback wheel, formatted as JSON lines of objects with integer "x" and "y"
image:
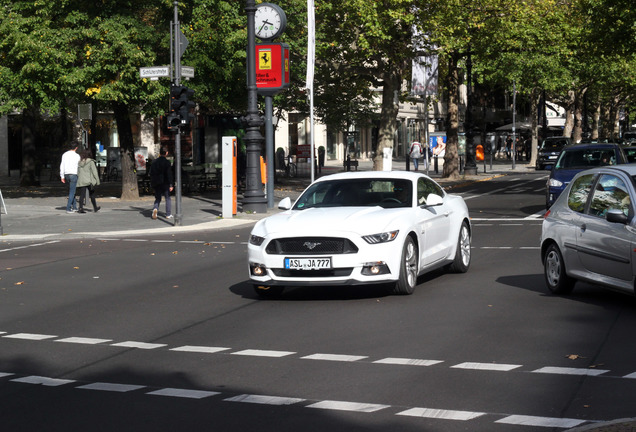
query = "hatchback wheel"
{"x": 556, "y": 279}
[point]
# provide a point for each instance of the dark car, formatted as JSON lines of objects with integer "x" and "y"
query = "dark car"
{"x": 549, "y": 151}
{"x": 576, "y": 158}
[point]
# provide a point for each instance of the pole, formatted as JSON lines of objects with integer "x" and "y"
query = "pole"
{"x": 269, "y": 150}
{"x": 253, "y": 198}
{"x": 514, "y": 120}
{"x": 471, "y": 161}
{"x": 177, "y": 138}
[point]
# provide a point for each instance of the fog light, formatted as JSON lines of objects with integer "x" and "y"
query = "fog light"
{"x": 375, "y": 268}
{"x": 258, "y": 270}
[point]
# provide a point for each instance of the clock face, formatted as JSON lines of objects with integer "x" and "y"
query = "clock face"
{"x": 269, "y": 21}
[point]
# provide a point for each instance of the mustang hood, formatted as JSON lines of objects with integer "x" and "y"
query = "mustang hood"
{"x": 329, "y": 221}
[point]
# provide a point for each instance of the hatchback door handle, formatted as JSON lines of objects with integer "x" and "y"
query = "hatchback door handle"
{"x": 583, "y": 228}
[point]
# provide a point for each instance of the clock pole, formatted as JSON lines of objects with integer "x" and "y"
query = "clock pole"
{"x": 254, "y": 197}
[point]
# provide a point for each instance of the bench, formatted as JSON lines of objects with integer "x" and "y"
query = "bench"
{"x": 351, "y": 163}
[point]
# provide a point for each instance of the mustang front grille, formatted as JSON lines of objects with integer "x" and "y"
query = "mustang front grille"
{"x": 311, "y": 246}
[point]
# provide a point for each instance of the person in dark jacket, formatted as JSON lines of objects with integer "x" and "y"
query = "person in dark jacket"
{"x": 161, "y": 181}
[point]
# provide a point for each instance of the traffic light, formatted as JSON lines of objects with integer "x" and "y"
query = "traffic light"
{"x": 180, "y": 106}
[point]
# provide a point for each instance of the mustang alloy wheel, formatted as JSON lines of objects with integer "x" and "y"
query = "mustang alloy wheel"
{"x": 408, "y": 268}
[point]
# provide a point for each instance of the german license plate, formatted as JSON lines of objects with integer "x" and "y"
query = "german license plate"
{"x": 307, "y": 263}
{"x": 552, "y": 157}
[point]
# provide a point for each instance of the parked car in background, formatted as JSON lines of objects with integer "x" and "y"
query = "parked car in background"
{"x": 590, "y": 232}
{"x": 549, "y": 151}
{"x": 576, "y": 158}
{"x": 361, "y": 228}
{"x": 630, "y": 152}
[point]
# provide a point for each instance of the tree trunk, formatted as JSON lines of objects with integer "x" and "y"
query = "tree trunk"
{"x": 596, "y": 121}
{"x": 569, "y": 116}
{"x": 451, "y": 158}
{"x": 29, "y": 138}
{"x": 535, "y": 97}
{"x": 388, "y": 115}
{"x": 577, "y": 132}
{"x": 129, "y": 188}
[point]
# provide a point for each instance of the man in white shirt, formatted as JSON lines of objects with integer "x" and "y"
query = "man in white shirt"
{"x": 68, "y": 174}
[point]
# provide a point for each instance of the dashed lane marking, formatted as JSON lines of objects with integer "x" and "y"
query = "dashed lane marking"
{"x": 183, "y": 393}
{"x": 140, "y": 345}
{"x": 263, "y": 353}
{"x": 441, "y": 414}
{"x": 359, "y": 407}
{"x": 348, "y": 406}
{"x": 334, "y": 357}
{"x": 570, "y": 371}
{"x": 200, "y": 349}
{"x": 28, "y": 246}
{"x": 486, "y": 366}
{"x": 29, "y": 336}
{"x": 45, "y": 381}
{"x": 408, "y": 362}
{"x": 83, "y": 340}
{"x": 111, "y": 387}
{"x": 541, "y": 421}
{"x": 264, "y": 400}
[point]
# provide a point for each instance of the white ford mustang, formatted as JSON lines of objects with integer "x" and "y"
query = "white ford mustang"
{"x": 361, "y": 228}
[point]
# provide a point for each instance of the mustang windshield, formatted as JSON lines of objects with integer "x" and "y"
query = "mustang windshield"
{"x": 387, "y": 193}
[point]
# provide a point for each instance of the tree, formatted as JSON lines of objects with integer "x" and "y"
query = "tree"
{"x": 363, "y": 46}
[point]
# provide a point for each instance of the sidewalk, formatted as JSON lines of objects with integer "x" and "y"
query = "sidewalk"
{"x": 38, "y": 213}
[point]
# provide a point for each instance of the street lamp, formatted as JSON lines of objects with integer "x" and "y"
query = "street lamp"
{"x": 254, "y": 198}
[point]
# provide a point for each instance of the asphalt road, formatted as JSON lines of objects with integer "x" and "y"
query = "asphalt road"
{"x": 163, "y": 333}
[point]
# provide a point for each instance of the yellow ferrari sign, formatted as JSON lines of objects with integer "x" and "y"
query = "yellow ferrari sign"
{"x": 265, "y": 59}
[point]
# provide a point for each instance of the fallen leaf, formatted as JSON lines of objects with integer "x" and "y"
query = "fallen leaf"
{"x": 175, "y": 252}
{"x": 19, "y": 283}
{"x": 76, "y": 268}
{"x": 574, "y": 357}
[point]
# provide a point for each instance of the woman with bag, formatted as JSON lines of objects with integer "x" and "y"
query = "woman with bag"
{"x": 87, "y": 179}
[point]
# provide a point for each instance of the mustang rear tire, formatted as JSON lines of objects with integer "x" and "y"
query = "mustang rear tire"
{"x": 408, "y": 268}
{"x": 462, "y": 254}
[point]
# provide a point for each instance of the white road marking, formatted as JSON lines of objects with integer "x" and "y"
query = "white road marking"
{"x": 5, "y": 374}
{"x": 631, "y": 375}
{"x": 263, "y": 353}
{"x": 83, "y": 340}
{"x": 30, "y": 336}
{"x": 348, "y": 406}
{"x": 334, "y": 357}
{"x": 183, "y": 393}
{"x": 140, "y": 345}
{"x": 486, "y": 366}
{"x": 408, "y": 362}
{"x": 441, "y": 414}
{"x": 541, "y": 421}
{"x": 200, "y": 349}
{"x": 119, "y": 388}
{"x": 28, "y": 246}
{"x": 39, "y": 380}
{"x": 264, "y": 400}
{"x": 570, "y": 371}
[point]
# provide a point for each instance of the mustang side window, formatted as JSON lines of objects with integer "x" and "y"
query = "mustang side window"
{"x": 610, "y": 193}
{"x": 579, "y": 192}
{"x": 425, "y": 188}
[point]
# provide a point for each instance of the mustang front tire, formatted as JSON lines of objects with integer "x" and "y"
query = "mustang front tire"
{"x": 408, "y": 268}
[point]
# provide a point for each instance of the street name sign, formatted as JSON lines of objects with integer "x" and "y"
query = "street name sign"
{"x": 154, "y": 72}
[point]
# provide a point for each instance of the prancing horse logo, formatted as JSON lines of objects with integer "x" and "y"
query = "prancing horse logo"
{"x": 311, "y": 245}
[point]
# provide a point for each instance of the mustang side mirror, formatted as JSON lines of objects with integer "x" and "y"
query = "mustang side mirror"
{"x": 433, "y": 200}
{"x": 285, "y": 204}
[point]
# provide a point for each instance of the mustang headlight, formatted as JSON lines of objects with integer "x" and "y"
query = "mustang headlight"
{"x": 256, "y": 240}
{"x": 555, "y": 183}
{"x": 381, "y": 238}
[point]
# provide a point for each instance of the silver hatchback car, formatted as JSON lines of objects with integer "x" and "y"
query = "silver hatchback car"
{"x": 589, "y": 233}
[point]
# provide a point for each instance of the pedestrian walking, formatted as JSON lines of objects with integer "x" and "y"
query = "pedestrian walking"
{"x": 87, "y": 179}
{"x": 161, "y": 181}
{"x": 415, "y": 153}
{"x": 68, "y": 174}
